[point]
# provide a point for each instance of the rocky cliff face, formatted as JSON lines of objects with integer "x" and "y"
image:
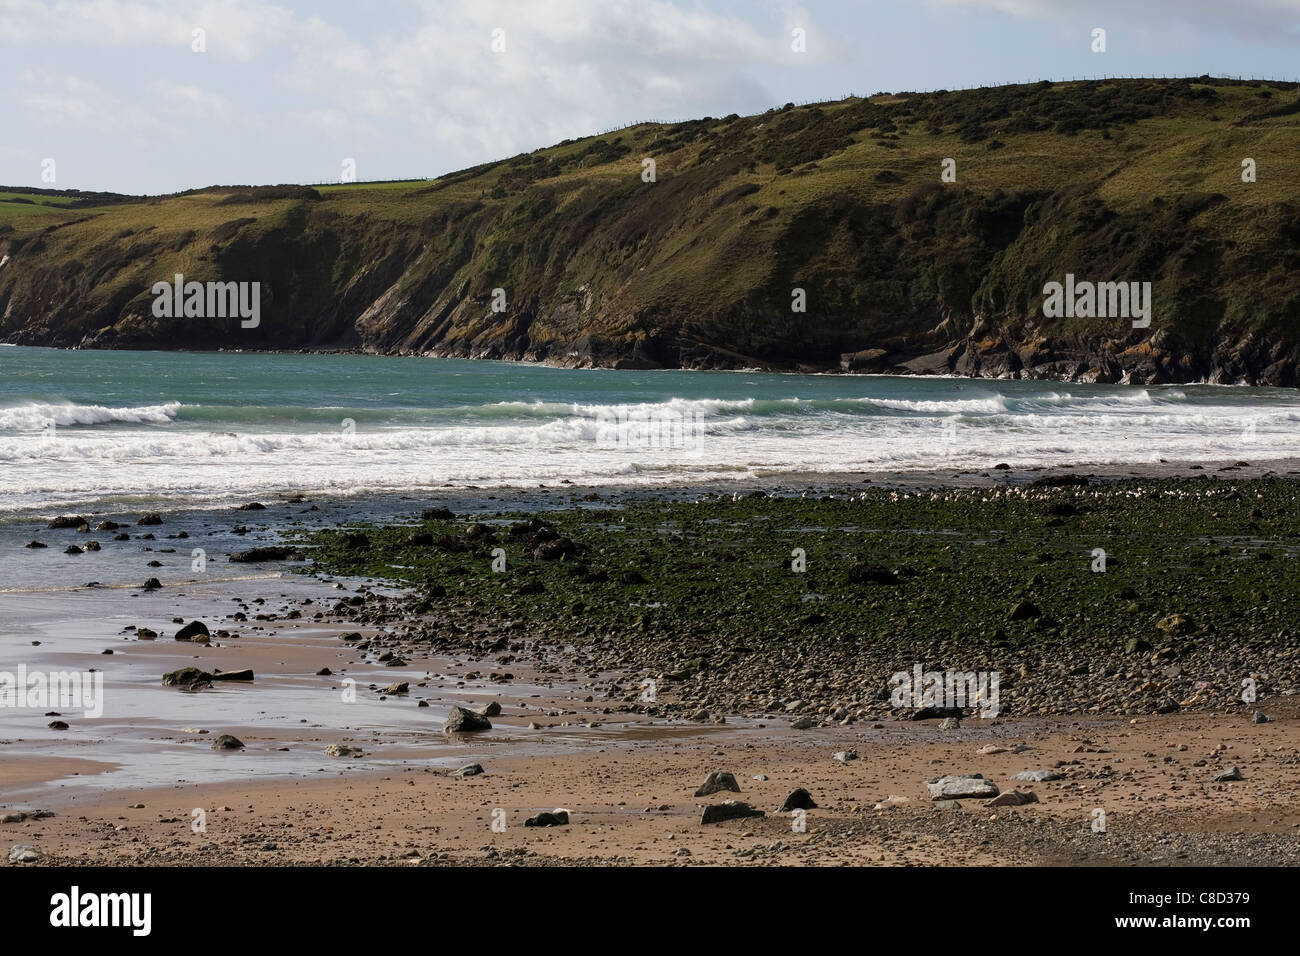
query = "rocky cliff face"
{"x": 822, "y": 238}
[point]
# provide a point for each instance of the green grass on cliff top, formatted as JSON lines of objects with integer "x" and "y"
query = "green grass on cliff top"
{"x": 1187, "y": 146}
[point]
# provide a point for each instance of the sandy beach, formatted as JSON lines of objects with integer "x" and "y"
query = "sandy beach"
{"x": 142, "y": 784}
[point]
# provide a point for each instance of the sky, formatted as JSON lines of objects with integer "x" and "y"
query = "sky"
{"x": 155, "y": 96}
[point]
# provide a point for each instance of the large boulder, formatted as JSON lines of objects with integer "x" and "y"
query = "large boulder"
{"x": 717, "y": 781}
{"x": 192, "y": 630}
{"x": 462, "y": 721}
{"x": 730, "y": 810}
{"x": 240, "y": 675}
{"x": 549, "y": 818}
{"x": 799, "y": 799}
{"x": 865, "y": 360}
{"x": 253, "y": 555}
{"x": 556, "y": 550}
{"x": 187, "y": 677}
{"x": 961, "y": 787}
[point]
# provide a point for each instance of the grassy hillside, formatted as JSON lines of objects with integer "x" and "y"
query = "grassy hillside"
{"x": 1133, "y": 180}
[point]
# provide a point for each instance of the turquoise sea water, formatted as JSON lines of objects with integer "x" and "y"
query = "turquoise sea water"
{"x": 102, "y": 427}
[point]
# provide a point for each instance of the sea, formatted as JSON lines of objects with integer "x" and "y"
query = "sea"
{"x": 106, "y": 430}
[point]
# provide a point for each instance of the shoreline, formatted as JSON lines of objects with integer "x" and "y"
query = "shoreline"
{"x": 779, "y": 482}
{"x": 616, "y": 364}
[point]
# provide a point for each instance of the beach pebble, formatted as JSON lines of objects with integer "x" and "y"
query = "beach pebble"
{"x": 803, "y": 723}
{"x": 863, "y": 573}
{"x": 1232, "y": 773}
{"x": 342, "y": 750}
{"x": 1012, "y": 798}
{"x": 19, "y": 853}
{"x": 1038, "y": 776}
{"x": 1175, "y": 624}
{"x": 227, "y": 742}
{"x": 844, "y": 756}
{"x": 1025, "y": 610}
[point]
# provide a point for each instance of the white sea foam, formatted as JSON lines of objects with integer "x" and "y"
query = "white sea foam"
{"x": 34, "y": 416}
{"x": 205, "y": 451}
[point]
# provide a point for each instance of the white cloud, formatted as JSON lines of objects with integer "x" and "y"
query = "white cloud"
{"x": 238, "y": 28}
{"x": 1249, "y": 18}
{"x": 197, "y": 103}
{"x": 567, "y": 67}
{"x": 65, "y": 100}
